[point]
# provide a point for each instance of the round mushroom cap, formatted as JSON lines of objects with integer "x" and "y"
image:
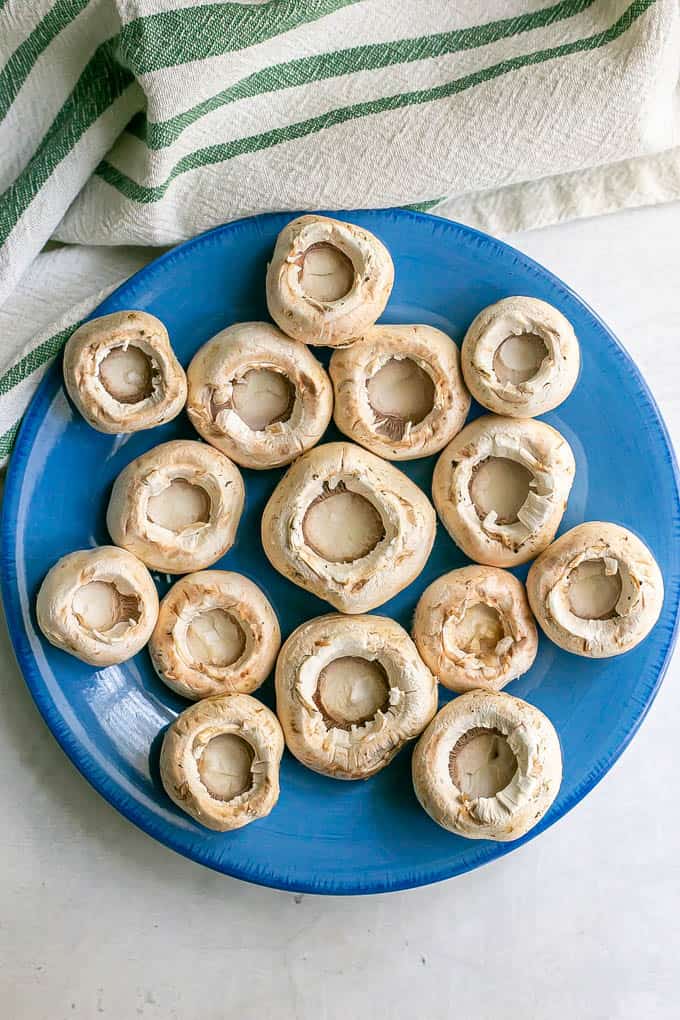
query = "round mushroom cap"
{"x": 501, "y": 488}
{"x": 347, "y": 526}
{"x": 474, "y": 629}
{"x": 220, "y": 761}
{"x": 258, "y": 396}
{"x": 216, "y": 634}
{"x": 488, "y": 766}
{"x": 520, "y": 357}
{"x": 328, "y": 280}
{"x": 350, "y": 691}
{"x": 177, "y": 506}
{"x": 597, "y": 591}
{"x": 122, "y": 374}
{"x": 399, "y": 391}
{"x": 98, "y": 604}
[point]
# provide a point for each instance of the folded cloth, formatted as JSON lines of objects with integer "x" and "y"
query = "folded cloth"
{"x": 144, "y": 122}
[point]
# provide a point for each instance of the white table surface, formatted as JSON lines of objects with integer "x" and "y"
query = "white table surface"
{"x": 96, "y": 919}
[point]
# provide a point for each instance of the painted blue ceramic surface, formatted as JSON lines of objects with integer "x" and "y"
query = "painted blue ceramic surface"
{"x": 325, "y": 835}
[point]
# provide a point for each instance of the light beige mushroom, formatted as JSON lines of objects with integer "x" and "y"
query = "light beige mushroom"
{"x": 98, "y": 604}
{"x": 520, "y": 357}
{"x": 122, "y": 374}
{"x": 501, "y": 488}
{"x": 348, "y": 526}
{"x": 220, "y": 761}
{"x": 328, "y": 280}
{"x": 474, "y": 629}
{"x": 488, "y": 766}
{"x": 258, "y": 396}
{"x": 216, "y": 634}
{"x": 177, "y": 506}
{"x": 350, "y": 691}
{"x": 399, "y": 391}
{"x": 597, "y": 591}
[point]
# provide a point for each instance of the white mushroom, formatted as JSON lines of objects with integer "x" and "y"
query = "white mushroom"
{"x": 350, "y": 691}
{"x": 220, "y": 761}
{"x": 597, "y": 591}
{"x": 328, "y": 281}
{"x": 122, "y": 374}
{"x": 473, "y": 628}
{"x": 177, "y": 506}
{"x": 348, "y": 526}
{"x": 260, "y": 397}
{"x": 501, "y": 488}
{"x": 216, "y": 634}
{"x": 399, "y": 391}
{"x": 488, "y": 766}
{"x": 520, "y": 357}
{"x": 98, "y": 604}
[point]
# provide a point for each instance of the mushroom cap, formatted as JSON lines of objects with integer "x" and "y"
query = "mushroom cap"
{"x": 639, "y": 600}
{"x": 538, "y": 448}
{"x": 185, "y": 742}
{"x": 408, "y": 522}
{"x": 502, "y": 644}
{"x": 198, "y": 545}
{"x": 351, "y": 751}
{"x": 556, "y": 375}
{"x": 87, "y": 348}
{"x": 64, "y": 626}
{"x": 435, "y": 354}
{"x": 248, "y": 607}
{"x": 223, "y": 362}
{"x": 330, "y": 323}
{"x": 518, "y": 806}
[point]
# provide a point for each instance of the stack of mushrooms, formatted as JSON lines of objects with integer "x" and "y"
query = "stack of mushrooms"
{"x": 345, "y": 523}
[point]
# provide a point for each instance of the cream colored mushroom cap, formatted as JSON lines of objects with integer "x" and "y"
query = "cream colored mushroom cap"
{"x": 98, "y": 604}
{"x": 217, "y": 633}
{"x": 474, "y": 629}
{"x": 399, "y": 687}
{"x": 546, "y": 467}
{"x": 600, "y": 569}
{"x": 417, "y": 367}
{"x": 503, "y": 750}
{"x": 402, "y": 519}
{"x": 198, "y": 774}
{"x": 234, "y": 361}
{"x": 141, "y": 345}
{"x": 520, "y": 357}
{"x": 177, "y": 506}
{"x": 316, "y": 319}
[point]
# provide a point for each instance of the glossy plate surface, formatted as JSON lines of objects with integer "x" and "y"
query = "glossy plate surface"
{"x": 325, "y": 835}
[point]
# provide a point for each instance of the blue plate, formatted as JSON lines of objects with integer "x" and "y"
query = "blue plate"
{"x": 324, "y": 835}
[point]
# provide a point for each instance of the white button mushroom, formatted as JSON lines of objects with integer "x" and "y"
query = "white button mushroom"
{"x": 216, "y": 634}
{"x": 597, "y": 591}
{"x": 399, "y": 391}
{"x": 488, "y": 766}
{"x": 350, "y": 691}
{"x": 328, "y": 281}
{"x": 520, "y": 357}
{"x": 220, "y": 761}
{"x": 177, "y": 506}
{"x": 473, "y": 628}
{"x": 501, "y": 488}
{"x": 258, "y": 396}
{"x": 348, "y": 526}
{"x": 98, "y": 604}
{"x": 122, "y": 374}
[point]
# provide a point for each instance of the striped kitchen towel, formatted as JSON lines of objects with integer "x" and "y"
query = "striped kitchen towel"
{"x": 143, "y": 122}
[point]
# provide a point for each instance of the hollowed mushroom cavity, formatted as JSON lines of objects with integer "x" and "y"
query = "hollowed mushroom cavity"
{"x": 126, "y": 373}
{"x": 519, "y": 358}
{"x": 216, "y": 638}
{"x": 479, "y": 632}
{"x": 482, "y": 763}
{"x": 225, "y": 766}
{"x": 594, "y": 589}
{"x": 100, "y": 606}
{"x": 400, "y": 393}
{"x": 500, "y": 486}
{"x": 262, "y": 397}
{"x": 326, "y": 274}
{"x": 180, "y": 505}
{"x": 342, "y": 526}
{"x": 351, "y": 690}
